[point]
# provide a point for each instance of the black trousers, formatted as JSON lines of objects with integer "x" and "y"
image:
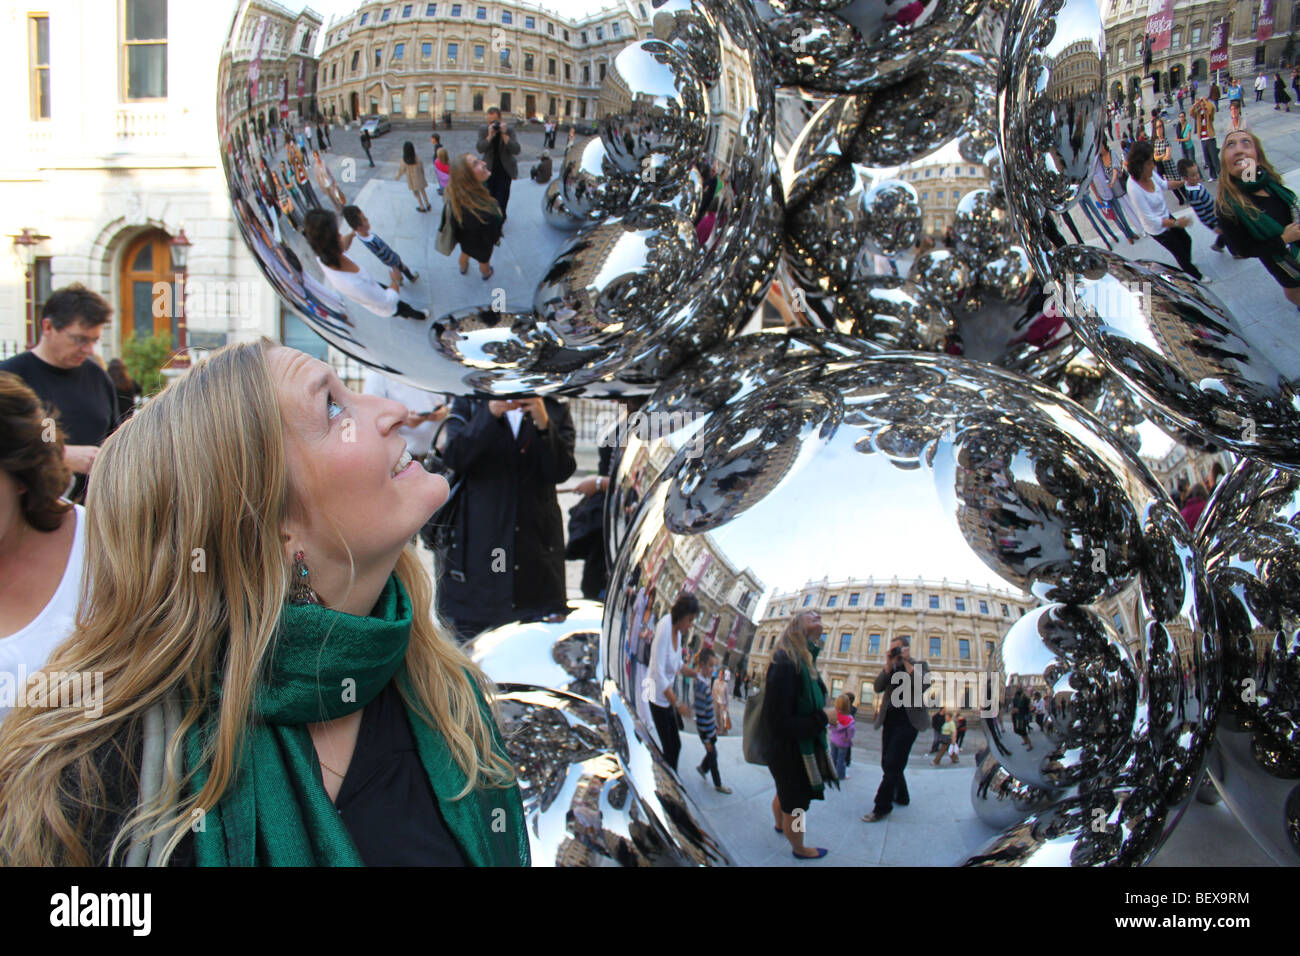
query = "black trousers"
{"x": 1179, "y": 244}
{"x": 669, "y": 738}
{"x": 898, "y": 737}
{"x": 710, "y": 763}
{"x": 406, "y": 311}
{"x": 498, "y": 184}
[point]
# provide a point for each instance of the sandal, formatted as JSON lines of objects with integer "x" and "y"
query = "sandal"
{"x": 490, "y": 273}
{"x": 464, "y": 268}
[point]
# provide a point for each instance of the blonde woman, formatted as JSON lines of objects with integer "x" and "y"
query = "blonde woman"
{"x": 795, "y": 715}
{"x": 276, "y": 688}
{"x": 476, "y": 218}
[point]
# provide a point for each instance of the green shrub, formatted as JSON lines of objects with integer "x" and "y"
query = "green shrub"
{"x": 144, "y": 359}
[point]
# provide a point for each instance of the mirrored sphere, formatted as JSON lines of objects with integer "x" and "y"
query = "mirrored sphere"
{"x": 1252, "y": 560}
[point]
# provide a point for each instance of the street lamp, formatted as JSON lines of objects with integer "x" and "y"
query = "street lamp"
{"x": 180, "y": 249}
{"x": 25, "y": 244}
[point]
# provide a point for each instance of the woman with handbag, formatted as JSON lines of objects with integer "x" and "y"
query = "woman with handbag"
{"x": 795, "y": 720}
{"x": 665, "y": 664}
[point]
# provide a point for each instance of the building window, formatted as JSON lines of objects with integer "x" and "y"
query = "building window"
{"x": 873, "y": 643}
{"x": 1119, "y": 624}
{"x": 42, "y": 282}
{"x": 846, "y": 641}
{"x": 807, "y": 599}
{"x": 1176, "y": 38}
{"x": 334, "y": 72}
{"x": 1196, "y": 33}
{"x": 961, "y": 603}
{"x": 984, "y": 607}
{"x": 880, "y": 599}
{"x": 505, "y": 59}
{"x": 530, "y": 23}
{"x": 146, "y": 49}
{"x": 963, "y": 648}
{"x": 379, "y": 58}
{"x": 480, "y": 13}
{"x": 452, "y": 50}
{"x": 550, "y": 66}
{"x": 426, "y": 50}
{"x": 568, "y": 72}
{"x": 306, "y": 42}
{"x": 478, "y": 102}
{"x": 553, "y": 104}
{"x": 38, "y": 56}
{"x": 383, "y": 17}
{"x": 832, "y": 600}
{"x": 853, "y": 600}
{"x": 924, "y": 196}
{"x": 988, "y": 651}
{"x": 356, "y": 59}
{"x": 837, "y": 687}
{"x": 364, "y": 18}
{"x": 566, "y": 35}
{"x": 507, "y": 17}
{"x": 582, "y": 36}
{"x": 422, "y": 103}
{"x": 528, "y": 63}
{"x": 1006, "y": 611}
{"x": 399, "y": 51}
{"x": 449, "y": 100}
{"x": 479, "y": 51}
{"x": 431, "y": 10}
{"x": 586, "y": 74}
{"x": 505, "y": 102}
{"x": 396, "y": 104}
{"x": 907, "y": 600}
{"x": 935, "y": 646}
{"x": 867, "y": 690}
{"x": 550, "y": 28}
{"x": 934, "y": 602}
{"x": 406, "y": 10}
{"x": 938, "y": 194}
{"x": 616, "y": 29}
{"x": 568, "y": 107}
{"x": 455, "y": 9}
{"x": 600, "y": 67}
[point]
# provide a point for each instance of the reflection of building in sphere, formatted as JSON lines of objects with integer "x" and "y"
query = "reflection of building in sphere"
{"x": 728, "y": 595}
{"x": 1181, "y": 467}
{"x": 953, "y": 626}
{"x": 1074, "y": 71}
{"x": 941, "y": 186}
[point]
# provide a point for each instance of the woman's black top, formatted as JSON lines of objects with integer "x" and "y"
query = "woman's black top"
{"x": 1241, "y": 242}
{"x": 386, "y": 801}
{"x": 477, "y": 234}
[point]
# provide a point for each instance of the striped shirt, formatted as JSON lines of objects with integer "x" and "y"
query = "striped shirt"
{"x": 1199, "y": 198}
{"x": 705, "y": 723}
{"x": 383, "y": 252}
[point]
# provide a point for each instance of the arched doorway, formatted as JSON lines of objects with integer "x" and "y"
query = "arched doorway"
{"x": 146, "y": 265}
{"x": 1176, "y": 76}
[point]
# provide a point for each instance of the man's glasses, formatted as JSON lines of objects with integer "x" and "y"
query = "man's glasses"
{"x": 81, "y": 341}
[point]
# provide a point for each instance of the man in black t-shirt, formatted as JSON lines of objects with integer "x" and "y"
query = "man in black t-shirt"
{"x": 62, "y": 373}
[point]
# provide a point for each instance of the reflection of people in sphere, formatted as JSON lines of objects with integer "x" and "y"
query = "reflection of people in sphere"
{"x": 1257, "y": 212}
{"x": 322, "y": 234}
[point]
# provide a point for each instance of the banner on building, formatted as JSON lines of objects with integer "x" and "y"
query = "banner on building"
{"x": 302, "y": 81}
{"x": 702, "y": 562}
{"x": 1219, "y": 46}
{"x": 1266, "y": 20}
{"x": 1160, "y": 25}
{"x": 255, "y": 67}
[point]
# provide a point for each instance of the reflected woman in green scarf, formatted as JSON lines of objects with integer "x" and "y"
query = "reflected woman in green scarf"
{"x": 1258, "y": 214}
{"x": 276, "y": 687}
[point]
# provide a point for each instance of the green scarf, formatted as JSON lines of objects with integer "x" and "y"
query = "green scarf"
{"x": 816, "y": 761}
{"x": 324, "y": 665}
{"x": 1260, "y": 224}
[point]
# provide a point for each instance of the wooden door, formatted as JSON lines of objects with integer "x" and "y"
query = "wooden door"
{"x": 148, "y": 288}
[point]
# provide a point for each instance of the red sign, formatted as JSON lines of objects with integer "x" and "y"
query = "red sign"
{"x": 1219, "y": 46}
{"x": 1160, "y": 25}
{"x": 302, "y": 83}
{"x": 284, "y": 109}
{"x": 1265, "y": 19}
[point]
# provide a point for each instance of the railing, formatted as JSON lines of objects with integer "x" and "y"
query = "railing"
{"x": 10, "y": 348}
{"x": 136, "y": 124}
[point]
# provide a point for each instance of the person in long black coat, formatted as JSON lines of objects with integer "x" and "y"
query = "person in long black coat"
{"x": 505, "y": 560}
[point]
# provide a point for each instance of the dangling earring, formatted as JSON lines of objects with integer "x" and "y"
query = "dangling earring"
{"x": 300, "y": 591}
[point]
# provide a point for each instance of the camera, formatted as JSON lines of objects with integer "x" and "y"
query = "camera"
{"x": 895, "y": 653}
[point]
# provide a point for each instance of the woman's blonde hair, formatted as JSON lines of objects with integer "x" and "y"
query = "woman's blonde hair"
{"x": 466, "y": 194}
{"x": 185, "y": 578}
{"x": 794, "y": 642}
{"x": 1232, "y": 202}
